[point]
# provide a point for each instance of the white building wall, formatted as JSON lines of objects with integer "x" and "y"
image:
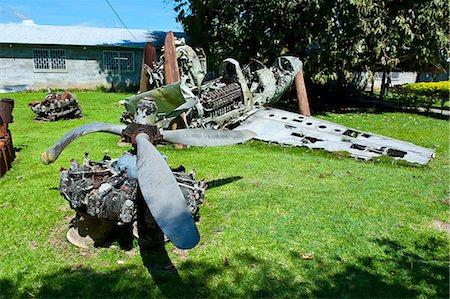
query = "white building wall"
{"x": 362, "y": 81}
{"x": 84, "y": 68}
{"x": 397, "y": 78}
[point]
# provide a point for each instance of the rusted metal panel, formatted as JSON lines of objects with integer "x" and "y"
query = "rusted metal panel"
{"x": 171, "y": 72}
{"x": 172, "y": 75}
{"x": 6, "y": 107}
{"x": 148, "y": 61}
{"x": 6, "y": 145}
{"x": 302, "y": 95}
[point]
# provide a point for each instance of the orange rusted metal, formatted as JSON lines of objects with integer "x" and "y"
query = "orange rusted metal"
{"x": 171, "y": 72}
{"x": 149, "y": 59}
{"x": 172, "y": 75}
{"x": 6, "y": 146}
{"x": 302, "y": 96}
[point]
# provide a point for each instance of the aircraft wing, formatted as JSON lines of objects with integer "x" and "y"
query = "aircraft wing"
{"x": 274, "y": 125}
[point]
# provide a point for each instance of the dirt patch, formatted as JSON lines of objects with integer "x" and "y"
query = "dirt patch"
{"x": 181, "y": 253}
{"x": 442, "y": 226}
{"x": 62, "y": 247}
{"x": 57, "y": 235}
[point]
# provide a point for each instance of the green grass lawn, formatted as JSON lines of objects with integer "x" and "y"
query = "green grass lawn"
{"x": 291, "y": 222}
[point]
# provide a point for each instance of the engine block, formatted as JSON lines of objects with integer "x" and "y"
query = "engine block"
{"x": 99, "y": 189}
{"x": 222, "y": 100}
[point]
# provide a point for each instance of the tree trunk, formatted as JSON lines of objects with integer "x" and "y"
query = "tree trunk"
{"x": 372, "y": 82}
{"x": 383, "y": 82}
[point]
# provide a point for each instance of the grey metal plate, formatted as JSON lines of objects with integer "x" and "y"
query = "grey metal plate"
{"x": 289, "y": 128}
{"x": 206, "y": 137}
{"x": 163, "y": 196}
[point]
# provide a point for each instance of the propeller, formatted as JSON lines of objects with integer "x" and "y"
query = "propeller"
{"x": 207, "y": 137}
{"x": 163, "y": 195}
{"x": 159, "y": 187}
{"x": 53, "y": 153}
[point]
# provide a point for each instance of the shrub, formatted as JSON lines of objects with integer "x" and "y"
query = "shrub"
{"x": 424, "y": 94}
{"x": 101, "y": 88}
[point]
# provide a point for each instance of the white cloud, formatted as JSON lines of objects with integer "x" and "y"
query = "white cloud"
{"x": 28, "y": 22}
{"x": 20, "y": 15}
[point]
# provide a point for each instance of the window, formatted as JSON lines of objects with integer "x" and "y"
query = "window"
{"x": 49, "y": 60}
{"x": 118, "y": 61}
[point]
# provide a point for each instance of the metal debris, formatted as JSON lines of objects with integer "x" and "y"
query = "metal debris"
{"x": 56, "y": 106}
{"x": 289, "y": 128}
{"x": 108, "y": 189}
{"x": 170, "y": 196}
{"x": 235, "y": 100}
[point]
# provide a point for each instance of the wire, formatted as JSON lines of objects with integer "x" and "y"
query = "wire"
{"x": 117, "y": 15}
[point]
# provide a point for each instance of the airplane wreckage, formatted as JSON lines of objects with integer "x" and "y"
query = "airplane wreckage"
{"x": 139, "y": 189}
{"x": 239, "y": 98}
{"x": 56, "y": 106}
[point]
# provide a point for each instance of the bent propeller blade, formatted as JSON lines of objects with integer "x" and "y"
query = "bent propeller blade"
{"x": 53, "y": 153}
{"x": 205, "y": 137}
{"x": 163, "y": 196}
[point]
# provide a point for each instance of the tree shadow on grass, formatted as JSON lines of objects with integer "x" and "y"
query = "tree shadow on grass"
{"x": 417, "y": 270}
{"x": 401, "y": 270}
{"x": 164, "y": 280}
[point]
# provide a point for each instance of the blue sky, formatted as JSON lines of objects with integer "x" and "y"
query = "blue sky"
{"x": 136, "y": 14}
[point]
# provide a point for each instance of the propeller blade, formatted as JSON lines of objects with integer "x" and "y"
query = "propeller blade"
{"x": 207, "y": 137}
{"x": 53, "y": 153}
{"x": 163, "y": 195}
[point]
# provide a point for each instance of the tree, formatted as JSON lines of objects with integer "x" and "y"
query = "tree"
{"x": 332, "y": 37}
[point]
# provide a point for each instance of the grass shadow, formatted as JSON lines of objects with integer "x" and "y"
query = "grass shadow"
{"x": 19, "y": 148}
{"x": 400, "y": 270}
{"x": 220, "y": 182}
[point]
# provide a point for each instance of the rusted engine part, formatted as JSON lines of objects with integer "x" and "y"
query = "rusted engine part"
{"x": 98, "y": 190}
{"x": 7, "y": 154}
{"x": 258, "y": 84}
{"x": 56, "y": 106}
{"x": 106, "y": 194}
{"x": 191, "y": 64}
{"x": 288, "y": 128}
{"x": 241, "y": 90}
{"x": 217, "y": 107}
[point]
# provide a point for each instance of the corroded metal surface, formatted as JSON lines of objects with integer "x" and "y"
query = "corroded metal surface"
{"x": 104, "y": 189}
{"x": 56, "y": 106}
{"x": 106, "y": 194}
{"x": 222, "y": 100}
{"x": 7, "y": 154}
{"x": 236, "y": 99}
{"x": 302, "y": 96}
{"x": 171, "y": 72}
{"x": 148, "y": 64}
{"x": 161, "y": 194}
{"x": 6, "y": 108}
{"x": 289, "y": 128}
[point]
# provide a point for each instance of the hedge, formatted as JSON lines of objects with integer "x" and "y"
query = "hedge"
{"x": 424, "y": 94}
